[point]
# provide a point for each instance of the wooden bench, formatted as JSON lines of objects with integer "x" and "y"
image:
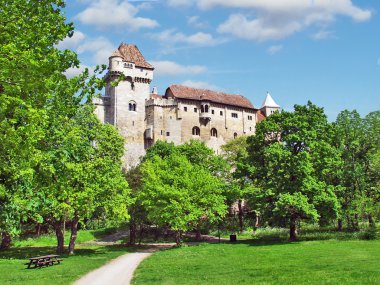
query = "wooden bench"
{"x": 46, "y": 260}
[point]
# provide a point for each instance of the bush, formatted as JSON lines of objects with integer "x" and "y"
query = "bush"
{"x": 369, "y": 234}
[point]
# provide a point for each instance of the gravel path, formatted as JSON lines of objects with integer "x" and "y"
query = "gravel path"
{"x": 117, "y": 272}
{"x": 120, "y": 270}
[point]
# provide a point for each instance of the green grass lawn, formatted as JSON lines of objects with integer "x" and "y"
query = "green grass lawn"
{"x": 13, "y": 271}
{"x": 258, "y": 262}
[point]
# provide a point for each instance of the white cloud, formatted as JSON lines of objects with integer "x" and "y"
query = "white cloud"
{"x": 259, "y": 29}
{"x": 276, "y": 19}
{"x": 114, "y": 13}
{"x": 73, "y": 71}
{"x": 195, "y": 22}
{"x": 100, "y": 47}
{"x": 201, "y": 85}
{"x": 323, "y": 34}
{"x": 73, "y": 42}
{"x": 198, "y": 39}
{"x": 172, "y": 68}
{"x": 316, "y": 8}
{"x": 180, "y": 3}
{"x": 274, "y": 49}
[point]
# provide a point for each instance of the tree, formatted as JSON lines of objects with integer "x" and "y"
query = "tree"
{"x": 357, "y": 140}
{"x": 372, "y": 165}
{"x": 289, "y": 154}
{"x": 83, "y": 160}
{"x": 179, "y": 194}
{"x": 236, "y": 154}
{"x": 49, "y": 166}
{"x": 30, "y": 70}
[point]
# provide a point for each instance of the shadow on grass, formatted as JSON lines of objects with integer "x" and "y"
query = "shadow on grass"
{"x": 28, "y": 252}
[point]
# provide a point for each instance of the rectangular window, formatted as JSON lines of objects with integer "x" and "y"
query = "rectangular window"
{"x": 161, "y": 132}
{"x": 185, "y": 109}
{"x": 168, "y": 134}
{"x": 221, "y": 113}
{"x": 234, "y": 115}
{"x": 250, "y": 118}
{"x": 195, "y": 110}
{"x": 212, "y": 112}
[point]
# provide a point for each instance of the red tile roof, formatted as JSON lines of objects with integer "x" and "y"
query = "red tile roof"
{"x": 184, "y": 92}
{"x": 131, "y": 53}
{"x": 260, "y": 116}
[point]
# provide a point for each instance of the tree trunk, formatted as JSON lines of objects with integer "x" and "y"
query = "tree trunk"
{"x": 132, "y": 233}
{"x": 198, "y": 235}
{"x": 74, "y": 233}
{"x": 38, "y": 230}
{"x": 371, "y": 221}
{"x": 340, "y": 225}
{"x": 178, "y": 238}
{"x": 356, "y": 222}
{"x": 6, "y": 240}
{"x": 60, "y": 236}
{"x": 241, "y": 214}
{"x": 293, "y": 229}
{"x": 141, "y": 233}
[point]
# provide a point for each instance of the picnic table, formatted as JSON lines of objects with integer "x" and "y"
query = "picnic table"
{"x": 46, "y": 260}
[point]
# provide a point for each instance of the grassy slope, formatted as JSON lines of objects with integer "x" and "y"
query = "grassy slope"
{"x": 309, "y": 262}
{"x": 13, "y": 270}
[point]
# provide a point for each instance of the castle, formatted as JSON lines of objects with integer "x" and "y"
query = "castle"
{"x": 182, "y": 113}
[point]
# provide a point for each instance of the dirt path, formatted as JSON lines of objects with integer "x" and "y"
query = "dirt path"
{"x": 120, "y": 270}
{"x": 117, "y": 272}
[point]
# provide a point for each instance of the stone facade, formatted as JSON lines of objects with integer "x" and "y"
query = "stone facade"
{"x": 179, "y": 115}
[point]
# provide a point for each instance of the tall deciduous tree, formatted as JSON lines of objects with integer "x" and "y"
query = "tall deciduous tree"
{"x": 80, "y": 172}
{"x": 236, "y": 154}
{"x": 289, "y": 154}
{"x": 30, "y": 71}
{"x": 48, "y": 163}
{"x": 178, "y": 193}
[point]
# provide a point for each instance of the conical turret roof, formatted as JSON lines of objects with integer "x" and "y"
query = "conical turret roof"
{"x": 269, "y": 102}
{"x": 131, "y": 53}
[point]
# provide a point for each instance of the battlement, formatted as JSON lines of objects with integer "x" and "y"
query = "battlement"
{"x": 162, "y": 102}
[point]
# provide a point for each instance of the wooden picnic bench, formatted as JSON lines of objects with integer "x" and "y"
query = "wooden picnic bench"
{"x": 46, "y": 260}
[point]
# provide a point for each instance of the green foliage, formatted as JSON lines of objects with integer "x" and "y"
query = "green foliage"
{"x": 182, "y": 186}
{"x": 174, "y": 198}
{"x": 357, "y": 140}
{"x": 56, "y": 161}
{"x": 290, "y": 157}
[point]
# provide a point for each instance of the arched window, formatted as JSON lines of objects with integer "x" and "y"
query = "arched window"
{"x": 202, "y": 109}
{"x": 196, "y": 131}
{"x": 214, "y": 132}
{"x": 206, "y": 108}
{"x": 132, "y": 106}
{"x": 235, "y": 135}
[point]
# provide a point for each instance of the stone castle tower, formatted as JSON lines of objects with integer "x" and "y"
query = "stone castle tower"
{"x": 124, "y": 105}
{"x": 181, "y": 114}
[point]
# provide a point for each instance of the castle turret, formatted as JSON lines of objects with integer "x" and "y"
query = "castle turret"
{"x": 269, "y": 106}
{"x": 126, "y": 110}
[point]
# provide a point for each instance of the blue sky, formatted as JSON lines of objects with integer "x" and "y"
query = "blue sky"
{"x": 326, "y": 51}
